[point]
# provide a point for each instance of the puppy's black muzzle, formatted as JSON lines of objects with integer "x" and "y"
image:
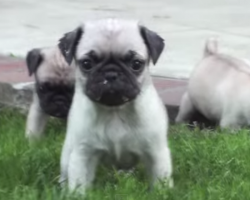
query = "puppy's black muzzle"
{"x": 55, "y": 100}
{"x": 112, "y": 85}
{"x": 58, "y": 107}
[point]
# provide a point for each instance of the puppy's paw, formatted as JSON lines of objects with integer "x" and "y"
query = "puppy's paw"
{"x": 167, "y": 183}
{"x": 62, "y": 182}
{"x": 162, "y": 185}
{"x": 33, "y": 138}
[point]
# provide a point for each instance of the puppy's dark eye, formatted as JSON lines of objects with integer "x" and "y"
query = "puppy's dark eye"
{"x": 137, "y": 65}
{"x": 86, "y": 64}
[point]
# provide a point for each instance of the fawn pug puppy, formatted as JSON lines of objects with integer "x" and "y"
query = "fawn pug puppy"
{"x": 54, "y": 88}
{"x": 116, "y": 113}
{"x": 219, "y": 89}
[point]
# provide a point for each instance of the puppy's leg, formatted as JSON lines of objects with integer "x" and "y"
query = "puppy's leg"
{"x": 186, "y": 109}
{"x": 64, "y": 162}
{"x": 231, "y": 122}
{"x": 36, "y": 120}
{"x": 81, "y": 171}
{"x": 159, "y": 165}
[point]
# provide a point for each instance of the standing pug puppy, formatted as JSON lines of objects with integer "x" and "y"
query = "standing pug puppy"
{"x": 219, "y": 89}
{"x": 116, "y": 113}
{"x": 54, "y": 88}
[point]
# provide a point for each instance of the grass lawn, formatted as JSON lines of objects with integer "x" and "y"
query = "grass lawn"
{"x": 207, "y": 165}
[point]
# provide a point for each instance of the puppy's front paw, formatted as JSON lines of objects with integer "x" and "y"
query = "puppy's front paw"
{"x": 33, "y": 137}
{"x": 163, "y": 184}
{"x": 62, "y": 182}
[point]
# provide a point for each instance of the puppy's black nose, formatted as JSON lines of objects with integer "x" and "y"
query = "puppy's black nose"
{"x": 111, "y": 76}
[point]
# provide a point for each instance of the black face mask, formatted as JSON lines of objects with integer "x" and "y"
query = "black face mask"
{"x": 55, "y": 100}
{"x": 111, "y": 82}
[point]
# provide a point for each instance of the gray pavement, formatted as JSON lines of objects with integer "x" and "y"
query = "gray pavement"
{"x": 184, "y": 24}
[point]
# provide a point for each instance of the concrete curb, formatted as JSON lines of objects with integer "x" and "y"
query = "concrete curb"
{"x": 16, "y": 95}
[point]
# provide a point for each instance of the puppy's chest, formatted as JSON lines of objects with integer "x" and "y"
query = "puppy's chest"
{"x": 117, "y": 135}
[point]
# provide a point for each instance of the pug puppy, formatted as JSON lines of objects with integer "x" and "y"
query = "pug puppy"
{"x": 219, "y": 89}
{"x": 54, "y": 88}
{"x": 116, "y": 113}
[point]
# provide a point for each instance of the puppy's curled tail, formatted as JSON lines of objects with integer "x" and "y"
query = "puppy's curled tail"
{"x": 211, "y": 47}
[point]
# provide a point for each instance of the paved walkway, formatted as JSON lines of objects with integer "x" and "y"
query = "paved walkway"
{"x": 184, "y": 24}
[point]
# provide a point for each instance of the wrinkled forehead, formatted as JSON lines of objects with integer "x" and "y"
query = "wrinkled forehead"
{"x": 111, "y": 36}
{"x": 50, "y": 72}
{"x": 53, "y": 67}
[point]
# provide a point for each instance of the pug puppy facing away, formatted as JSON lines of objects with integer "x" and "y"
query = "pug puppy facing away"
{"x": 116, "y": 113}
{"x": 219, "y": 89}
{"x": 54, "y": 88}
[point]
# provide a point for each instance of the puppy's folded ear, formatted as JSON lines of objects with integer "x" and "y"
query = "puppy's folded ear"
{"x": 33, "y": 60}
{"x": 155, "y": 44}
{"x": 68, "y": 43}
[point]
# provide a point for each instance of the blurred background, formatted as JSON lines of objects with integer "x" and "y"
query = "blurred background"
{"x": 184, "y": 24}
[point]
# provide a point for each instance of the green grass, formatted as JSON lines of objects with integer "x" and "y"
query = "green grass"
{"x": 207, "y": 165}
